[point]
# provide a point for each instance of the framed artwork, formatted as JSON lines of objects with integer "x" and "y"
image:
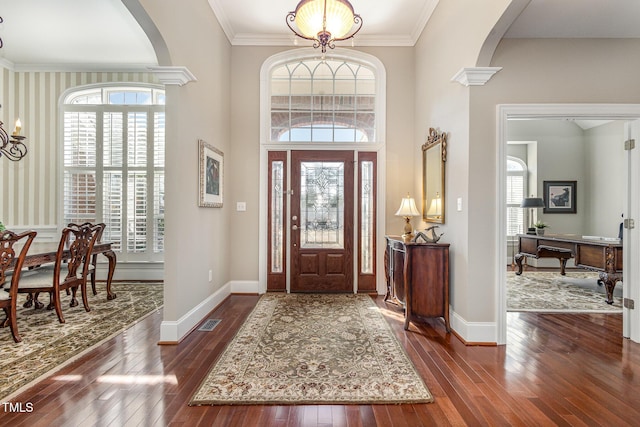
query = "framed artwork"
{"x": 559, "y": 197}
{"x": 211, "y": 176}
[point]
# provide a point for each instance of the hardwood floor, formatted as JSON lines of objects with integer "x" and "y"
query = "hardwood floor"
{"x": 557, "y": 369}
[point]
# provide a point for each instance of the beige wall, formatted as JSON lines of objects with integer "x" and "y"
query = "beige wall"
{"x": 606, "y": 160}
{"x": 534, "y": 71}
{"x": 197, "y": 239}
{"x": 243, "y": 171}
{"x": 452, "y": 40}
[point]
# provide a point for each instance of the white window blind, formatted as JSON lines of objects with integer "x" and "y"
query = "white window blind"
{"x": 114, "y": 166}
{"x": 516, "y": 190}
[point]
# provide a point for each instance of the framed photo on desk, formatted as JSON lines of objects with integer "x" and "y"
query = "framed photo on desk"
{"x": 559, "y": 197}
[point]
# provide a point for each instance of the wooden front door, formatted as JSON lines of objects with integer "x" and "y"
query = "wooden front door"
{"x": 322, "y": 221}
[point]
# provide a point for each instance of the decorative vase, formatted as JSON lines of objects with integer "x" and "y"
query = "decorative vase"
{"x": 540, "y": 231}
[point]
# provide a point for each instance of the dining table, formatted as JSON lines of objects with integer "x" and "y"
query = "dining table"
{"x": 41, "y": 253}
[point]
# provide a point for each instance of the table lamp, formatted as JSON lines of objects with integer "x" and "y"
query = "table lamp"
{"x": 407, "y": 210}
{"x": 532, "y": 203}
{"x": 435, "y": 209}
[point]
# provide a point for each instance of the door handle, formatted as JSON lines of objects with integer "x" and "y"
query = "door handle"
{"x": 294, "y": 227}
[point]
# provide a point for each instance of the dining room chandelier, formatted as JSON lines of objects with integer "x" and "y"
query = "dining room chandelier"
{"x": 12, "y": 146}
{"x": 324, "y": 22}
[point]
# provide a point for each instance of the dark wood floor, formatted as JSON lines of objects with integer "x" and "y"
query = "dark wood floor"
{"x": 557, "y": 369}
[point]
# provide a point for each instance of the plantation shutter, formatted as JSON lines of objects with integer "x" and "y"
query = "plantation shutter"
{"x": 114, "y": 167}
{"x": 516, "y": 191}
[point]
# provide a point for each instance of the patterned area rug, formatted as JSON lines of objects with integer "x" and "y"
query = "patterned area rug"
{"x": 47, "y": 344}
{"x": 550, "y": 292}
{"x": 313, "y": 349}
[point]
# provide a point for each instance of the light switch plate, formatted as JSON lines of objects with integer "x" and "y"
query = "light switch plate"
{"x": 241, "y": 206}
{"x": 459, "y": 204}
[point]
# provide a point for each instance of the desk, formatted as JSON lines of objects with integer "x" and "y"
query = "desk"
{"x": 604, "y": 256}
{"x": 45, "y": 252}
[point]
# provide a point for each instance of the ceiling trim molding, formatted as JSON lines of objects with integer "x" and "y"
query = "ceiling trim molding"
{"x": 255, "y": 39}
{"x": 475, "y": 76}
{"x": 425, "y": 15}
{"x": 224, "y": 21}
{"x": 175, "y": 75}
{"x": 246, "y": 39}
{"x": 5, "y": 63}
{"x": 76, "y": 68}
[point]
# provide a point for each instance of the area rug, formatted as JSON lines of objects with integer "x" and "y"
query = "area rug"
{"x": 47, "y": 344}
{"x": 313, "y": 349}
{"x": 576, "y": 292}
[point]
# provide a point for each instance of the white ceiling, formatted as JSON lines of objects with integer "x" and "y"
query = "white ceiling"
{"x": 101, "y": 34}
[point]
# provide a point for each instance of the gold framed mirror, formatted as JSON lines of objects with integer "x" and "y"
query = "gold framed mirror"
{"x": 434, "y": 156}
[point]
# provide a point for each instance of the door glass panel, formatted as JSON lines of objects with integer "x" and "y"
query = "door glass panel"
{"x": 277, "y": 216}
{"x": 322, "y": 205}
{"x": 366, "y": 215}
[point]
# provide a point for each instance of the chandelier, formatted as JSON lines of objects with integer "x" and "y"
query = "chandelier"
{"x": 324, "y": 22}
{"x": 12, "y": 147}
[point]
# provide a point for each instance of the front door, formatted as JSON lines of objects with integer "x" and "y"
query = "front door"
{"x": 322, "y": 221}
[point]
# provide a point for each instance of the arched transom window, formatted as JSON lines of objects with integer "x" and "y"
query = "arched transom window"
{"x": 331, "y": 100}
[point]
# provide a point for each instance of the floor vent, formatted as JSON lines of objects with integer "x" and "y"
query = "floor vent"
{"x": 209, "y": 325}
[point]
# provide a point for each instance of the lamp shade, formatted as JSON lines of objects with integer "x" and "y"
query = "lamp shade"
{"x": 532, "y": 202}
{"x": 408, "y": 207}
{"x": 310, "y": 16}
{"x": 435, "y": 208}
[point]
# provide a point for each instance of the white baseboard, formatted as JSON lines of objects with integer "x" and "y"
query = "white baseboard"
{"x": 244, "y": 287}
{"x": 132, "y": 270}
{"x": 175, "y": 331}
{"x": 474, "y": 332}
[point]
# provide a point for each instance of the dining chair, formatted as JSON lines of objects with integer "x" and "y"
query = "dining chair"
{"x": 10, "y": 269}
{"x": 94, "y": 257}
{"x": 70, "y": 275}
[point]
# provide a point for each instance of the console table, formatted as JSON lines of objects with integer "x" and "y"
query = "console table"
{"x": 418, "y": 278}
{"x": 604, "y": 256}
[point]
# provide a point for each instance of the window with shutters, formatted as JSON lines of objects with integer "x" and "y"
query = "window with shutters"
{"x": 114, "y": 166}
{"x": 516, "y": 191}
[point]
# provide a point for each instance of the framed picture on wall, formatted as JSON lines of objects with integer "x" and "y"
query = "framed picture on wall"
{"x": 559, "y": 197}
{"x": 211, "y": 176}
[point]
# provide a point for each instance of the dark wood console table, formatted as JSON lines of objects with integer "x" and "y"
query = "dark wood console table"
{"x": 604, "y": 256}
{"x": 418, "y": 278}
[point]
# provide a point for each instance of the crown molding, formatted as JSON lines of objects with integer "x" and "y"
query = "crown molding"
{"x": 173, "y": 75}
{"x": 224, "y": 21}
{"x": 257, "y": 39}
{"x": 475, "y": 76}
{"x": 425, "y": 15}
{"x": 252, "y": 39}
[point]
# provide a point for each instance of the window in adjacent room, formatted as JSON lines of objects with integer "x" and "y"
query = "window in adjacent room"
{"x": 516, "y": 191}
{"x": 114, "y": 166}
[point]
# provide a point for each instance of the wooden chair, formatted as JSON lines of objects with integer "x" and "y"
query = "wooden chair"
{"x": 80, "y": 240}
{"x": 94, "y": 257}
{"x": 10, "y": 262}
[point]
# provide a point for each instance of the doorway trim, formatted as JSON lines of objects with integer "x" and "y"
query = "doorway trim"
{"x": 504, "y": 112}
